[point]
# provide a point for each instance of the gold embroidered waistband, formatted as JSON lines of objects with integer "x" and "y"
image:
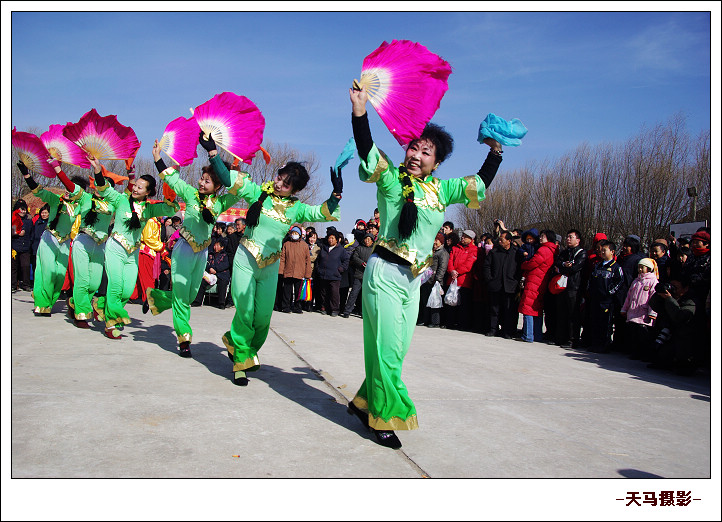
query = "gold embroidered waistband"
{"x": 255, "y": 250}
{"x": 191, "y": 240}
{"x": 125, "y": 243}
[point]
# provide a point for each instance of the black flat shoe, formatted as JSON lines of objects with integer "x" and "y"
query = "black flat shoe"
{"x": 146, "y": 306}
{"x": 387, "y": 439}
{"x": 354, "y": 410}
{"x": 240, "y": 379}
{"x": 185, "y": 349}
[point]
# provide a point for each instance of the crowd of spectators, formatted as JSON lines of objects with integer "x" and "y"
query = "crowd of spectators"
{"x": 651, "y": 302}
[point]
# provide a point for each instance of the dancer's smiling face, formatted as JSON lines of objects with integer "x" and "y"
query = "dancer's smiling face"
{"x": 420, "y": 158}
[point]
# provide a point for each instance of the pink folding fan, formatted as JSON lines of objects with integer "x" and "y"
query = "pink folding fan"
{"x": 180, "y": 140}
{"x": 405, "y": 83}
{"x": 235, "y": 123}
{"x": 32, "y": 153}
{"x": 103, "y": 136}
{"x": 62, "y": 149}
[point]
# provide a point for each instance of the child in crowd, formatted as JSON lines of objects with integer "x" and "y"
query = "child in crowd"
{"x": 605, "y": 282}
{"x": 640, "y": 317}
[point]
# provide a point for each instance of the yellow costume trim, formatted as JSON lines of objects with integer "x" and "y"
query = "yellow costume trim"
{"x": 250, "y": 364}
{"x": 430, "y": 199}
{"x": 43, "y": 309}
{"x": 377, "y": 423}
{"x": 240, "y": 180}
{"x": 166, "y": 172}
{"x": 471, "y": 192}
{"x": 184, "y": 337}
{"x": 94, "y": 234}
{"x": 255, "y": 250}
{"x": 197, "y": 247}
{"x": 403, "y": 252}
{"x": 125, "y": 244}
{"x": 279, "y": 208}
{"x": 381, "y": 165}
{"x": 118, "y": 320}
{"x": 151, "y": 302}
{"x": 101, "y": 313}
{"x": 58, "y": 237}
{"x": 83, "y": 317}
{"x": 326, "y": 212}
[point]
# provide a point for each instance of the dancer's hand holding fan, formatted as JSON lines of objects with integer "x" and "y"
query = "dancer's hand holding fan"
{"x": 62, "y": 149}
{"x": 234, "y": 122}
{"x": 405, "y": 83}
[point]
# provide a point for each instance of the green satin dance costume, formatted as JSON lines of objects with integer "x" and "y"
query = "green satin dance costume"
{"x": 188, "y": 260}
{"x": 255, "y": 266}
{"x": 121, "y": 252}
{"x": 390, "y": 291}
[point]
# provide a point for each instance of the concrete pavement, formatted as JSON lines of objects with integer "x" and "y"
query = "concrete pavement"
{"x": 86, "y": 406}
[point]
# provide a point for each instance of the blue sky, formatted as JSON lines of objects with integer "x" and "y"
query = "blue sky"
{"x": 571, "y": 77}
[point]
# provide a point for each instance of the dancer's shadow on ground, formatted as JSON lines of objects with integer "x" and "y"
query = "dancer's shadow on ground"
{"x": 294, "y": 385}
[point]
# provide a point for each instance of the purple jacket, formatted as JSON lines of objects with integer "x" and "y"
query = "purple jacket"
{"x": 636, "y": 305}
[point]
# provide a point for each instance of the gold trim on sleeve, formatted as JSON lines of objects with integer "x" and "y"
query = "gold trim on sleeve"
{"x": 471, "y": 192}
{"x": 240, "y": 181}
{"x": 326, "y": 212}
{"x": 381, "y": 165}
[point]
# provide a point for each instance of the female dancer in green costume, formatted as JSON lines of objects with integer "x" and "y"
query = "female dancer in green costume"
{"x": 121, "y": 250}
{"x": 190, "y": 253}
{"x": 52, "y": 257}
{"x": 411, "y": 203}
{"x": 88, "y": 253}
{"x": 255, "y": 266}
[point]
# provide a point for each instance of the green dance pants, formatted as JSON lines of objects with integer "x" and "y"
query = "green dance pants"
{"x": 254, "y": 293}
{"x": 186, "y": 273}
{"x": 390, "y": 297}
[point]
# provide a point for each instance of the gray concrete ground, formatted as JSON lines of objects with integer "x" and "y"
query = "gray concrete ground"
{"x": 86, "y": 406}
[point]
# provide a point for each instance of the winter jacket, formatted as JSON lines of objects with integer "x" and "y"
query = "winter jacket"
{"x": 330, "y": 263}
{"x": 295, "y": 260}
{"x": 574, "y": 273}
{"x": 537, "y": 273}
{"x": 501, "y": 270}
{"x": 24, "y": 243}
{"x": 439, "y": 265}
{"x": 38, "y": 230}
{"x": 462, "y": 260}
{"x": 605, "y": 283}
{"x": 359, "y": 258}
{"x": 636, "y": 305}
{"x": 629, "y": 267}
{"x": 218, "y": 261}
{"x": 528, "y": 248}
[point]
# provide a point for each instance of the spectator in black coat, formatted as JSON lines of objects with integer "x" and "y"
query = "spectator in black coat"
{"x": 219, "y": 266}
{"x": 22, "y": 244}
{"x": 357, "y": 266}
{"x": 332, "y": 261}
{"x": 41, "y": 222}
{"x": 502, "y": 272}
{"x": 570, "y": 263}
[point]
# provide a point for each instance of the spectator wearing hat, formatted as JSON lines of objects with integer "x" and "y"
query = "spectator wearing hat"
{"x": 628, "y": 259}
{"x": 461, "y": 261}
{"x": 700, "y": 282}
{"x": 295, "y": 267}
{"x": 313, "y": 250}
{"x": 502, "y": 273}
{"x": 639, "y": 315}
{"x": 22, "y": 243}
{"x": 330, "y": 264}
{"x": 372, "y": 227}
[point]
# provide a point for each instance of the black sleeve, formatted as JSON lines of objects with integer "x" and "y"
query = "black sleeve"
{"x": 489, "y": 168}
{"x": 362, "y": 135}
{"x": 99, "y": 179}
{"x": 160, "y": 165}
{"x": 31, "y": 182}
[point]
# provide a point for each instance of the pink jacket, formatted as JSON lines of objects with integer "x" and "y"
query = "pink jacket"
{"x": 636, "y": 305}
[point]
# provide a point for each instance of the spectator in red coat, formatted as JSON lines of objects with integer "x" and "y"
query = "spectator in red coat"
{"x": 462, "y": 258}
{"x": 537, "y": 273}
